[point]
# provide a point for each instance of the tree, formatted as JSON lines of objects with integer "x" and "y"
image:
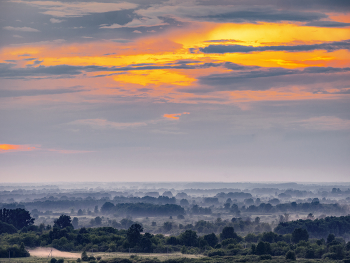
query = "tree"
{"x": 260, "y": 248}
{"x": 84, "y": 256}
{"x": 63, "y": 221}
{"x": 300, "y": 234}
{"x": 98, "y": 220}
{"x": 18, "y": 217}
{"x": 330, "y": 238}
{"x": 167, "y": 226}
{"x": 211, "y": 239}
{"x": 184, "y": 202}
{"x": 228, "y": 232}
{"x": 107, "y": 207}
{"x": 189, "y": 238}
{"x": 269, "y": 237}
{"x": 145, "y": 243}
{"x": 227, "y": 206}
{"x": 134, "y": 234}
{"x": 7, "y": 228}
{"x": 337, "y": 251}
{"x": 168, "y": 194}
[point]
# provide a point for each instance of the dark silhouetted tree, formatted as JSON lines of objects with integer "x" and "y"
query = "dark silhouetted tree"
{"x": 18, "y": 217}
{"x": 134, "y": 234}
{"x": 63, "y": 221}
{"x": 211, "y": 239}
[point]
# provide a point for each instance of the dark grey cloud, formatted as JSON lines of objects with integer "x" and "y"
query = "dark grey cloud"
{"x": 245, "y": 49}
{"x": 222, "y": 40}
{"x": 85, "y": 28}
{"x": 37, "y": 92}
{"x": 263, "y": 14}
{"x": 7, "y": 70}
{"x": 318, "y": 5}
{"x": 264, "y": 79}
{"x": 327, "y": 24}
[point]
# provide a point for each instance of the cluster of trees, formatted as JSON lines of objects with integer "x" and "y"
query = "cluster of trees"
{"x": 13, "y": 251}
{"x": 142, "y": 209}
{"x": 197, "y": 210}
{"x": 314, "y": 206}
{"x": 146, "y": 199}
{"x": 235, "y": 195}
{"x": 18, "y": 217}
{"x": 293, "y": 243}
{"x": 319, "y": 228}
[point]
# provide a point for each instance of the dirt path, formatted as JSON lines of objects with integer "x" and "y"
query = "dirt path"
{"x": 43, "y": 252}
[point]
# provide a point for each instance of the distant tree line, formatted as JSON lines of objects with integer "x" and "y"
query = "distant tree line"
{"x": 318, "y": 228}
{"x": 142, "y": 209}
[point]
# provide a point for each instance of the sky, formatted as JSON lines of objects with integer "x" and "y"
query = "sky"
{"x": 178, "y": 90}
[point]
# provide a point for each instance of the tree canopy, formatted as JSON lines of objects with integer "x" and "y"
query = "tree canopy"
{"x": 18, "y": 217}
{"x": 63, "y": 221}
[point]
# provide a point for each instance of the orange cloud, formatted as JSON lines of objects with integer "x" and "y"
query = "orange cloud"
{"x": 174, "y": 116}
{"x": 15, "y": 148}
{"x": 165, "y": 50}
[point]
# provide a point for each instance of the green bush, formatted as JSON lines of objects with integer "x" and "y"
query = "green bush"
{"x": 265, "y": 257}
{"x": 290, "y": 255}
{"x": 216, "y": 252}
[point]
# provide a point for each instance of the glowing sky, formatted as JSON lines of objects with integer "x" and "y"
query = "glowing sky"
{"x": 178, "y": 90}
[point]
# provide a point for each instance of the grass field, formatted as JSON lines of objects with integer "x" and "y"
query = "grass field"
{"x": 40, "y": 255}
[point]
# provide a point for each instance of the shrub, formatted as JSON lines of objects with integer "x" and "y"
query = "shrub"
{"x": 53, "y": 260}
{"x": 310, "y": 253}
{"x": 265, "y": 257}
{"x": 330, "y": 256}
{"x": 218, "y": 252}
{"x": 290, "y": 255}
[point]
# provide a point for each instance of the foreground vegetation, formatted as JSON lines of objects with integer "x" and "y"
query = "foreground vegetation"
{"x": 227, "y": 246}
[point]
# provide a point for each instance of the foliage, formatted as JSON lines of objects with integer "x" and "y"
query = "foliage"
{"x": 300, "y": 234}
{"x": 290, "y": 255}
{"x": 62, "y": 222}
{"x": 7, "y": 228}
{"x": 13, "y": 251}
{"x": 18, "y": 217}
{"x": 134, "y": 234}
{"x": 318, "y": 228}
{"x": 142, "y": 209}
{"x": 265, "y": 246}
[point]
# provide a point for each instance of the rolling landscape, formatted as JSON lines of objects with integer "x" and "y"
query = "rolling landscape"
{"x": 175, "y": 131}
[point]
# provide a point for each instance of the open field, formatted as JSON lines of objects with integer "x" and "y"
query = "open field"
{"x": 41, "y": 255}
{"x": 44, "y": 252}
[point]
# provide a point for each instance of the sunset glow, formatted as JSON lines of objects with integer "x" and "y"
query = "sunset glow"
{"x": 108, "y": 78}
